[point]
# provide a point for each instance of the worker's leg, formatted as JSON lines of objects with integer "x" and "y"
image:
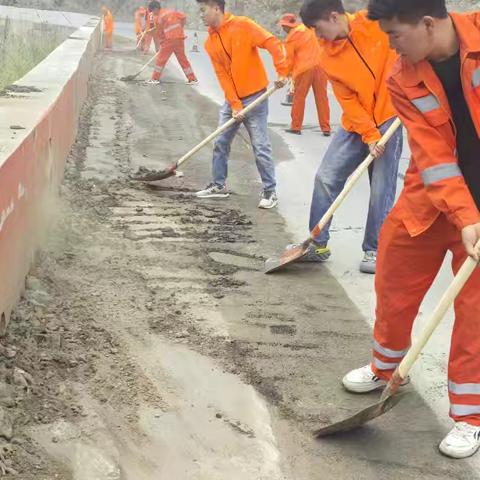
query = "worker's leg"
{"x": 256, "y": 123}
{"x": 464, "y": 367}
{"x": 320, "y": 85}
{"x": 222, "y": 147}
{"x": 345, "y": 152}
{"x": 303, "y": 82}
{"x": 147, "y": 42}
{"x": 406, "y": 268}
{"x": 183, "y": 60}
{"x": 383, "y": 187}
{"x": 162, "y": 59}
{"x": 108, "y": 40}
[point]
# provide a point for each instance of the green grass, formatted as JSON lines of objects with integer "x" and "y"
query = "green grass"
{"x": 23, "y": 45}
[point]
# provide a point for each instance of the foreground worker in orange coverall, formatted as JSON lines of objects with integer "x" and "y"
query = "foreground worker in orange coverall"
{"x": 435, "y": 88}
{"x": 108, "y": 26}
{"x": 233, "y": 46}
{"x": 141, "y": 27}
{"x": 303, "y": 57}
{"x": 171, "y": 26}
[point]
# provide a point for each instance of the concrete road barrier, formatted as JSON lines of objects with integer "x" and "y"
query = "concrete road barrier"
{"x": 38, "y": 124}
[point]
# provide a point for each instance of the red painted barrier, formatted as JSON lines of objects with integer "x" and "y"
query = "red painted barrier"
{"x": 32, "y": 167}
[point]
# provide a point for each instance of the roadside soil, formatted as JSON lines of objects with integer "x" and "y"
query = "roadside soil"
{"x": 150, "y": 345}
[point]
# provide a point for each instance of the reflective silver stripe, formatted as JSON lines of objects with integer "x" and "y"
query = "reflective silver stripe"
{"x": 385, "y": 366}
{"x": 440, "y": 172}
{"x": 188, "y": 71}
{"x": 386, "y": 352}
{"x": 463, "y": 410}
{"x": 159, "y": 69}
{"x": 476, "y": 78}
{"x": 464, "y": 388}
{"x": 172, "y": 27}
{"x": 426, "y": 104}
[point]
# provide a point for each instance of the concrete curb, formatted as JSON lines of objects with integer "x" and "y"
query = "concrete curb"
{"x": 46, "y": 105}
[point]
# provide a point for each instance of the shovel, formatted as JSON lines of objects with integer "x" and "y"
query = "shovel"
{"x": 390, "y": 396}
{"x": 171, "y": 171}
{"x": 292, "y": 255}
{"x": 131, "y": 78}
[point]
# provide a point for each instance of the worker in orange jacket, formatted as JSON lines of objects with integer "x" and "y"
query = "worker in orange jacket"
{"x": 108, "y": 27}
{"x": 435, "y": 88}
{"x": 171, "y": 26}
{"x": 356, "y": 57}
{"x": 303, "y": 57}
{"x": 141, "y": 27}
{"x": 232, "y": 46}
{"x": 153, "y": 32}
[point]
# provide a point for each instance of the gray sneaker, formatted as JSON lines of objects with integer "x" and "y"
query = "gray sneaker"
{"x": 269, "y": 200}
{"x": 369, "y": 263}
{"x": 214, "y": 191}
{"x": 315, "y": 253}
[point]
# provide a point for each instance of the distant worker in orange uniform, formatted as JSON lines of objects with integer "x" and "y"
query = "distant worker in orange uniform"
{"x": 108, "y": 27}
{"x": 171, "y": 27}
{"x": 153, "y": 33}
{"x": 141, "y": 27}
{"x": 303, "y": 57}
{"x": 435, "y": 88}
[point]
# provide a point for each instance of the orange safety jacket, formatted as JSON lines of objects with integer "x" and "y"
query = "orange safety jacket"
{"x": 172, "y": 24}
{"x": 303, "y": 50}
{"x": 233, "y": 49}
{"x": 140, "y": 20}
{"x": 357, "y": 68}
{"x": 434, "y": 183}
{"x": 108, "y": 22}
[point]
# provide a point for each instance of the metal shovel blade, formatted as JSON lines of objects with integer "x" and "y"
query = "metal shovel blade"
{"x": 155, "y": 176}
{"x": 289, "y": 256}
{"x": 361, "y": 418}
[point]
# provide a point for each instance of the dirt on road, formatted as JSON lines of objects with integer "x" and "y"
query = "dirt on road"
{"x": 150, "y": 345}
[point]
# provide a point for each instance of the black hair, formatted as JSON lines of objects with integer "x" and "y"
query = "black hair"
{"x": 409, "y": 11}
{"x": 314, "y": 10}
{"x": 219, "y": 3}
{"x": 154, "y": 5}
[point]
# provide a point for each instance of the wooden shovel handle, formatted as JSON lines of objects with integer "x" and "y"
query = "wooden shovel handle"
{"x": 352, "y": 181}
{"x": 227, "y": 125}
{"x": 432, "y": 323}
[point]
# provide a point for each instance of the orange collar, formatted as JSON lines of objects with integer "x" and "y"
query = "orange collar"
{"x": 227, "y": 18}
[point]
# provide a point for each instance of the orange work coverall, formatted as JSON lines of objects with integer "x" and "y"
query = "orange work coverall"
{"x": 141, "y": 26}
{"x": 171, "y": 25}
{"x": 426, "y": 223}
{"x": 153, "y": 31}
{"x": 303, "y": 57}
{"x": 108, "y": 26}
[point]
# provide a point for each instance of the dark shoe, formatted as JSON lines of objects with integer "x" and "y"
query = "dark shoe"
{"x": 294, "y": 132}
{"x": 327, "y": 134}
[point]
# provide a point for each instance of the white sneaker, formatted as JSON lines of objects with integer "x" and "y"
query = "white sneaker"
{"x": 192, "y": 82}
{"x": 462, "y": 442}
{"x": 153, "y": 82}
{"x": 362, "y": 380}
{"x": 269, "y": 200}
{"x": 369, "y": 263}
{"x": 213, "y": 191}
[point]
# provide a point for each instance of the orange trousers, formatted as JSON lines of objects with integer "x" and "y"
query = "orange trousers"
{"x": 147, "y": 41}
{"x": 317, "y": 79}
{"x": 108, "y": 40}
{"x": 169, "y": 47}
{"x": 406, "y": 268}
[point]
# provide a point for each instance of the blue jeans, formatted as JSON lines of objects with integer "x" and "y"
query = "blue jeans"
{"x": 344, "y": 155}
{"x": 257, "y": 127}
